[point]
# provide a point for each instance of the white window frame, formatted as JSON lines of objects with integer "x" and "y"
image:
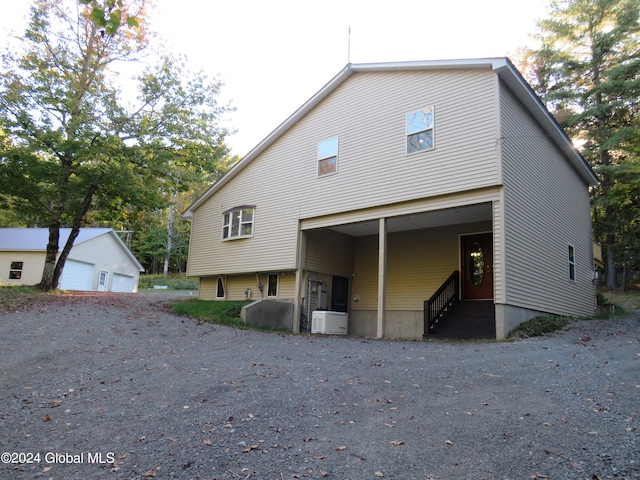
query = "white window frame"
{"x": 410, "y": 131}
{"x": 220, "y": 285}
{"x": 326, "y": 151}
{"x": 243, "y": 221}
{"x": 269, "y": 295}
{"x": 571, "y": 258}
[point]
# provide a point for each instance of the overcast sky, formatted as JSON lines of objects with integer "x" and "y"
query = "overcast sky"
{"x": 273, "y": 55}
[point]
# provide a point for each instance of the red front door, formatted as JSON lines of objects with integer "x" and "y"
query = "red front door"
{"x": 477, "y": 267}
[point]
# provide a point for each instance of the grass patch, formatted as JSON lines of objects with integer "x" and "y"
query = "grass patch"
{"x": 627, "y": 300}
{"x": 218, "y": 312}
{"x": 14, "y": 297}
{"x": 175, "y": 281}
{"x": 539, "y": 326}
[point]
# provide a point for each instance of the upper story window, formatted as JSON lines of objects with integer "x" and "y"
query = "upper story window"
{"x": 328, "y": 156}
{"x": 15, "y": 272}
{"x": 237, "y": 222}
{"x": 572, "y": 263}
{"x": 420, "y": 130}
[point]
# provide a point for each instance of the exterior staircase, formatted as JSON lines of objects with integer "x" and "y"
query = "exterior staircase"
{"x": 467, "y": 319}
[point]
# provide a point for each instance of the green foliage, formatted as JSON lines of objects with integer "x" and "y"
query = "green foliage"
{"x": 174, "y": 282}
{"x": 218, "y": 312}
{"x": 586, "y": 68}
{"x": 539, "y": 326}
{"x": 72, "y": 151}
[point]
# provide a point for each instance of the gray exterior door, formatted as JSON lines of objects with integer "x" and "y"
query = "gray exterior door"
{"x": 340, "y": 294}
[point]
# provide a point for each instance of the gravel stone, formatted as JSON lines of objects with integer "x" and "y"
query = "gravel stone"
{"x": 131, "y": 391}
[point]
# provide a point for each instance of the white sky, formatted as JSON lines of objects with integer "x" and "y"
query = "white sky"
{"x": 273, "y": 55}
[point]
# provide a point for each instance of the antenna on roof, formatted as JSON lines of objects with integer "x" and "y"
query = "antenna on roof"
{"x": 349, "y": 45}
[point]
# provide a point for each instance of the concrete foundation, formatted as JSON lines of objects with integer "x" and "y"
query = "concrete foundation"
{"x": 268, "y": 313}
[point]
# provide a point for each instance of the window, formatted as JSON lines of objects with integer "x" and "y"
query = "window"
{"x": 15, "y": 272}
{"x": 572, "y": 263}
{"x": 328, "y": 156}
{"x": 420, "y": 130}
{"x": 272, "y": 287}
{"x": 238, "y": 222}
{"x": 220, "y": 288}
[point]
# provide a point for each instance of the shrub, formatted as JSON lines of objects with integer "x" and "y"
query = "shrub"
{"x": 539, "y": 326}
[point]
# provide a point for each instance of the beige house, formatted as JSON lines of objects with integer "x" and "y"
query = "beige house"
{"x": 399, "y": 182}
{"x": 98, "y": 260}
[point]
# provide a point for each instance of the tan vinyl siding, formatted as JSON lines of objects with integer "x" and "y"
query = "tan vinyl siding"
{"x": 367, "y": 112}
{"x": 540, "y": 186}
{"x": 236, "y": 285}
{"x": 32, "y": 266}
{"x": 418, "y": 262}
{"x": 329, "y": 252}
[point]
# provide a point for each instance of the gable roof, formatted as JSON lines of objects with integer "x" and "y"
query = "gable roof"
{"x": 36, "y": 239}
{"x": 505, "y": 69}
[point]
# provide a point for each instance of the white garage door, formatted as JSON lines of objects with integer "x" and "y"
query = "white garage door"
{"x": 77, "y": 276}
{"x": 122, "y": 283}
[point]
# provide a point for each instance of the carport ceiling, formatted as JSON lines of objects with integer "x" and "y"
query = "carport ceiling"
{"x": 417, "y": 221}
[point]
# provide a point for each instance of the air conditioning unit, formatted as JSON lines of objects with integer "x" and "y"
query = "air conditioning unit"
{"x": 330, "y": 323}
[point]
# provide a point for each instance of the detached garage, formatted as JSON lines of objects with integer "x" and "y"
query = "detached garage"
{"x": 98, "y": 261}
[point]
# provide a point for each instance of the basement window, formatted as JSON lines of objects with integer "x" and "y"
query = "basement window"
{"x": 420, "y": 131}
{"x": 572, "y": 263}
{"x": 15, "y": 272}
{"x": 237, "y": 222}
{"x": 272, "y": 287}
{"x": 220, "y": 288}
{"x": 328, "y": 156}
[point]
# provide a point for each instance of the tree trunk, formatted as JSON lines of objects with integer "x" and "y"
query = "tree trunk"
{"x": 612, "y": 275}
{"x": 47, "y": 282}
{"x": 170, "y": 220}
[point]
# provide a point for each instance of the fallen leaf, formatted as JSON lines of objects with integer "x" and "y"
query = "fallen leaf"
{"x": 324, "y": 473}
{"x": 318, "y": 457}
{"x": 46, "y": 418}
{"x": 397, "y": 442}
{"x": 206, "y": 442}
{"x": 448, "y": 442}
{"x": 388, "y": 425}
{"x": 46, "y": 469}
{"x": 341, "y": 448}
{"x": 150, "y": 474}
{"x": 249, "y": 448}
{"x": 378, "y": 474}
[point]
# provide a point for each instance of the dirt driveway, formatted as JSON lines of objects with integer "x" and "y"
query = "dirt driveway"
{"x": 114, "y": 386}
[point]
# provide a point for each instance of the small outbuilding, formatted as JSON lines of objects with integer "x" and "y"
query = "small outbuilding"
{"x": 98, "y": 261}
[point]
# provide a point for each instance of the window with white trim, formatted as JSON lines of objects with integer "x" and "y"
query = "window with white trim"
{"x": 328, "y": 156}
{"x": 220, "y": 288}
{"x": 572, "y": 263}
{"x": 420, "y": 135}
{"x": 272, "y": 285}
{"x": 237, "y": 222}
{"x": 15, "y": 272}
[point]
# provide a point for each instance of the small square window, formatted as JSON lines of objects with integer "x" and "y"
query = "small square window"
{"x": 572, "y": 263}
{"x": 328, "y": 156}
{"x": 272, "y": 287}
{"x": 15, "y": 272}
{"x": 420, "y": 131}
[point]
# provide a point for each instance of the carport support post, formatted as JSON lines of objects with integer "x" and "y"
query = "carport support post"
{"x": 382, "y": 276}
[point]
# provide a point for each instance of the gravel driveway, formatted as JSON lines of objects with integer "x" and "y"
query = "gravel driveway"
{"x": 115, "y": 386}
